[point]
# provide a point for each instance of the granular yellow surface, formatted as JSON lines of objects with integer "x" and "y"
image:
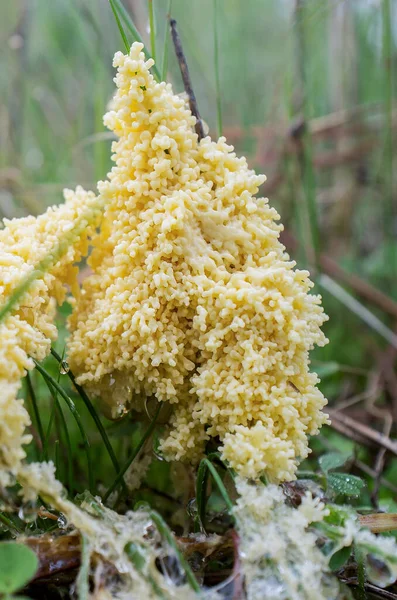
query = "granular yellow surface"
{"x": 193, "y": 298}
{"x": 26, "y": 332}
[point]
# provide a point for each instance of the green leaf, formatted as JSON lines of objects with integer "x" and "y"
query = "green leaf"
{"x": 18, "y": 564}
{"x": 343, "y": 483}
{"x": 340, "y": 557}
{"x": 332, "y": 460}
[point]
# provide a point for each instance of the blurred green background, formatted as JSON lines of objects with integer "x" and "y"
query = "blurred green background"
{"x": 307, "y": 92}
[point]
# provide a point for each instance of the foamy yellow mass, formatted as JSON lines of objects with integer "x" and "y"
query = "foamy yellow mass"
{"x": 193, "y": 298}
{"x": 54, "y": 240}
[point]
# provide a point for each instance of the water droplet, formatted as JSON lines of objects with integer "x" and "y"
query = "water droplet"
{"x": 378, "y": 571}
{"x": 63, "y": 367}
{"x": 27, "y": 513}
{"x": 62, "y": 521}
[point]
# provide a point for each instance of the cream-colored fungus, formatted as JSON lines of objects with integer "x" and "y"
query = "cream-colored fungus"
{"x": 193, "y": 298}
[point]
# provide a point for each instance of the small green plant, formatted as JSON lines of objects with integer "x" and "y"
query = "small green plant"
{"x": 18, "y": 564}
{"x": 340, "y": 483}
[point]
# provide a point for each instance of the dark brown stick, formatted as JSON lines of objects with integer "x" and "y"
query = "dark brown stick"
{"x": 360, "y": 286}
{"x": 363, "y": 431}
{"x": 349, "y": 433}
{"x": 187, "y": 82}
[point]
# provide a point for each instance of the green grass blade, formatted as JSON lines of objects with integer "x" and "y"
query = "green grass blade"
{"x": 52, "y": 415}
{"x": 357, "y": 308}
{"x": 204, "y": 469}
{"x": 137, "y": 555}
{"x": 57, "y": 458}
{"x": 168, "y": 535}
{"x": 36, "y": 411}
{"x": 68, "y": 442}
{"x": 164, "y": 68}
{"x": 71, "y": 405}
{"x": 120, "y": 26}
{"x": 360, "y": 560}
{"x": 91, "y": 409}
{"x": 129, "y": 24}
{"x": 201, "y": 493}
{"x": 152, "y": 25}
{"x": 82, "y": 581}
{"x": 217, "y": 73}
{"x": 306, "y": 156}
{"x": 390, "y": 212}
{"x": 49, "y": 426}
{"x": 134, "y": 454}
{"x": 49, "y": 260}
{"x": 19, "y": 292}
{"x": 10, "y": 524}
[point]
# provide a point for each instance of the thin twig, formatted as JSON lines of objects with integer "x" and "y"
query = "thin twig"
{"x": 347, "y": 432}
{"x": 186, "y": 79}
{"x": 369, "y": 471}
{"x": 361, "y": 287}
{"x": 380, "y": 462}
{"x": 374, "y": 589}
{"x": 362, "y": 430}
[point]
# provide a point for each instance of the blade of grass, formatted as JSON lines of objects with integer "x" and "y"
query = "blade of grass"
{"x": 201, "y": 493}
{"x": 137, "y": 556}
{"x": 357, "y": 308}
{"x": 49, "y": 379}
{"x": 36, "y": 411}
{"x": 129, "y": 24}
{"x": 57, "y": 461}
{"x": 204, "y": 469}
{"x": 387, "y": 51}
{"x": 82, "y": 581}
{"x": 91, "y": 409}
{"x": 120, "y": 26}
{"x": 164, "y": 68}
{"x": 152, "y": 25}
{"x": 217, "y": 75}
{"x": 359, "y": 556}
{"x": 306, "y": 154}
{"x": 19, "y": 292}
{"x": 10, "y": 524}
{"x": 64, "y": 426}
{"x": 52, "y": 415}
{"x": 168, "y": 535}
{"x": 134, "y": 454}
{"x": 49, "y": 260}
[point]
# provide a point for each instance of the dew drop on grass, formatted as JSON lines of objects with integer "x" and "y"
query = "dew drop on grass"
{"x": 63, "y": 367}
{"x": 378, "y": 572}
{"x": 28, "y": 512}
